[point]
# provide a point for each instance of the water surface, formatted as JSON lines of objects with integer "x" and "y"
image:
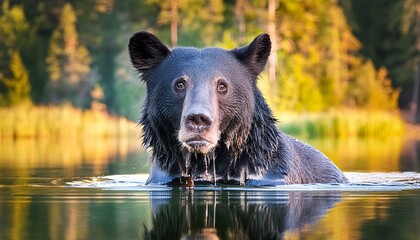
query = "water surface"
{"x": 95, "y": 190}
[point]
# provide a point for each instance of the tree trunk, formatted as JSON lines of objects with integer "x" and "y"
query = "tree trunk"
{"x": 272, "y": 61}
{"x": 415, "y": 99}
{"x": 416, "y": 84}
{"x": 240, "y": 18}
{"x": 174, "y": 23}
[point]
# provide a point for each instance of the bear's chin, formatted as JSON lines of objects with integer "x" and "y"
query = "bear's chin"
{"x": 198, "y": 146}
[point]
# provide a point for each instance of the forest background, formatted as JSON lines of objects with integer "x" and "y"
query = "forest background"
{"x": 328, "y": 55}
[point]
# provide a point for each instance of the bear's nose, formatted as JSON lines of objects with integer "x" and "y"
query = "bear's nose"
{"x": 198, "y": 121}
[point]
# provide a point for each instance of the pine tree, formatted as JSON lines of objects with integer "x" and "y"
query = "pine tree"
{"x": 14, "y": 80}
{"x": 68, "y": 62}
{"x": 17, "y": 84}
{"x": 319, "y": 65}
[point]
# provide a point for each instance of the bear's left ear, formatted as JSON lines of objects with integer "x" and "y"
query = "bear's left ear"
{"x": 146, "y": 51}
{"x": 255, "y": 55}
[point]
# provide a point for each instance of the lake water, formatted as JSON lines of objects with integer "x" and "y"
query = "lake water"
{"x": 95, "y": 190}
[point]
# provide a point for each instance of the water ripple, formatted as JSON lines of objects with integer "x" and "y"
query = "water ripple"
{"x": 359, "y": 181}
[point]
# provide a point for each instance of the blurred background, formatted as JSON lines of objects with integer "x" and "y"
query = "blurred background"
{"x": 343, "y": 74}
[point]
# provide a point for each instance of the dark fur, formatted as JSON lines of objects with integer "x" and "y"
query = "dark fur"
{"x": 250, "y": 149}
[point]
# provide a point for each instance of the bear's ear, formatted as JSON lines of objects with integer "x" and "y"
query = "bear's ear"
{"x": 146, "y": 51}
{"x": 255, "y": 55}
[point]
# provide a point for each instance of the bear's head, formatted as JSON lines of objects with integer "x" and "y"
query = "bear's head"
{"x": 197, "y": 99}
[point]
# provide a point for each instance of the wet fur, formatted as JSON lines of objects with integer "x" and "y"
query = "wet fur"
{"x": 251, "y": 150}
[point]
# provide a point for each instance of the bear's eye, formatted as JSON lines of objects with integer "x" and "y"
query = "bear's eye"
{"x": 222, "y": 87}
{"x": 179, "y": 85}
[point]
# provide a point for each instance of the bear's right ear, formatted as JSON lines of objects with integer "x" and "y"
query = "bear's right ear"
{"x": 146, "y": 51}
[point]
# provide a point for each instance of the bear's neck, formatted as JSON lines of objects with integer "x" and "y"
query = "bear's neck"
{"x": 263, "y": 148}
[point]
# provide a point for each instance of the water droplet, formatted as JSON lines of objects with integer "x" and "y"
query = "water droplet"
{"x": 187, "y": 162}
{"x": 206, "y": 163}
{"x": 214, "y": 168}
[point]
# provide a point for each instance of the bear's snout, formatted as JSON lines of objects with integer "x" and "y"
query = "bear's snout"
{"x": 199, "y": 129}
{"x": 198, "y": 122}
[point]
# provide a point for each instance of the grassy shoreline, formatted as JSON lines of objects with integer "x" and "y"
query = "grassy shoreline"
{"x": 343, "y": 123}
{"x": 65, "y": 121}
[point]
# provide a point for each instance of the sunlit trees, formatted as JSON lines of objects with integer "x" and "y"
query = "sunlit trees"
{"x": 390, "y": 35}
{"x": 371, "y": 89}
{"x": 199, "y": 23}
{"x": 271, "y": 29}
{"x": 16, "y": 83}
{"x": 14, "y": 80}
{"x": 168, "y": 15}
{"x": 104, "y": 26}
{"x": 315, "y": 52}
{"x": 318, "y": 67}
{"x": 319, "y": 64}
{"x": 68, "y": 62}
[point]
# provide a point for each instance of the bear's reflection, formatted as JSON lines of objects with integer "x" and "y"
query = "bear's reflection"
{"x": 189, "y": 214}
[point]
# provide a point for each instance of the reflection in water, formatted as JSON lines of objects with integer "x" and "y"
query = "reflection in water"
{"x": 28, "y": 153}
{"x": 355, "y": 154}
{"x": 363, "y": 154}
{"x": 235, "y": 215}
{"x": 57, "y": 213}
{"x": 73, "y": 213}
{"x": 35, "y": 205}
{"x": 72, "y": 157}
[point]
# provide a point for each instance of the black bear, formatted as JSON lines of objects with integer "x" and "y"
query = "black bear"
{"x": 206, "y": 121}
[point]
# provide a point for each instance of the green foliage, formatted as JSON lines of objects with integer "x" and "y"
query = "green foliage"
{"x": 114, "y": 22}
{"x": 129, "y": 93}
{"x": 390, "y": 33}
{"x": 14, "y": 80}
{"x": 199, "y": 22}
{"x": 129, "y": 96}
{"x": 319, "y": 65}
{"x": 17, "y": 85}
{"x": 13, "y": 24}
{"x": 371, "y": 89}
{"x": 68, "y": 62}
